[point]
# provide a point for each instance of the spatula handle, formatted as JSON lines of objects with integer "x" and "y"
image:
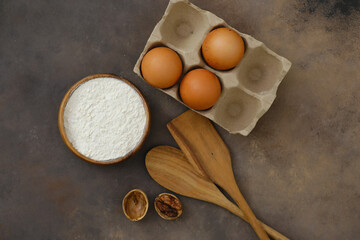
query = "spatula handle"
{"x": 225, "y": 203}
{"x": 235, "y": 193}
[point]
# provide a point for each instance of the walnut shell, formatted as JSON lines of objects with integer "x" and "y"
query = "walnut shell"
{"x": 168, "y": 206}
{"x": 135, "y": 205}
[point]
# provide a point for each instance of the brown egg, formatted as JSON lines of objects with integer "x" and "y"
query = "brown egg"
{"x": 223, "y": 48}
{"x": 161, "y": 67}
{"x": 200, "y": 89}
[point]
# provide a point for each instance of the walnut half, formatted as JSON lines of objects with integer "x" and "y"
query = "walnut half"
{"x": 168, "y": 206}
{"x": 135, "y": 205}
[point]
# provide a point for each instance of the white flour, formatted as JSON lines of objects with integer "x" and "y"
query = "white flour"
{"x": 104, "y": 119}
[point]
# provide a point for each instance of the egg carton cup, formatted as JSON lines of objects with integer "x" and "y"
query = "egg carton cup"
{"x": 248, "y": 90}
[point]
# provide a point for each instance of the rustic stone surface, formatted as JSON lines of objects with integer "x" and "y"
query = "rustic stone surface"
{"x": 299, "y": 168}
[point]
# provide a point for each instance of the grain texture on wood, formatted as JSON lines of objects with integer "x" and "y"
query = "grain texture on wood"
{"x": 206, "y": 151}
{"x": 169, "y": 167}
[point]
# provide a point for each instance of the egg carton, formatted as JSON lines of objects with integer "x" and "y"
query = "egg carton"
{"x": 248, "y": 90}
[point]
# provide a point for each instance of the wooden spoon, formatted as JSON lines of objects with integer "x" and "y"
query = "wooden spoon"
{"x": 169, "y": 167}
{"x": 207, "y": 152}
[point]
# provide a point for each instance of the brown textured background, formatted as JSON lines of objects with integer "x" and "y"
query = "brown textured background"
{"x": 299, "y": 169}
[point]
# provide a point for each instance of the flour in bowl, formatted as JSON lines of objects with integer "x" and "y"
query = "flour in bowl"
{"x": 105, "y": 119}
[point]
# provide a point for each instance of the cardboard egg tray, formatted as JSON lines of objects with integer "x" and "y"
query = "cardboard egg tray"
{"x": 248, "y": 90}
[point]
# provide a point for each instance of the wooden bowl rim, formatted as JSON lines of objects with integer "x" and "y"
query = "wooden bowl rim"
{"x": 61, "y": 119}
{"x": 146, "y": 207}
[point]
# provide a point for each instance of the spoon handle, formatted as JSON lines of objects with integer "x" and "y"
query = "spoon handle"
{"x": 225, "y": 203}
{"x": 235, "y": 193}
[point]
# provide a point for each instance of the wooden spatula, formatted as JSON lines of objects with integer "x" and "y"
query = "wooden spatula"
{"x": 169, "y": 167}
{"x": 207, "y": 152}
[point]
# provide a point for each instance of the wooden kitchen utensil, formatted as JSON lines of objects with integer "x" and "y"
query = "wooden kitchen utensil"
{"x": 169, "y": 167}
{"x": 207, "y": 152}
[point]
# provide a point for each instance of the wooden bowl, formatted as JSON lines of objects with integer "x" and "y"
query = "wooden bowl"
{"x": 62, "y": 128}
